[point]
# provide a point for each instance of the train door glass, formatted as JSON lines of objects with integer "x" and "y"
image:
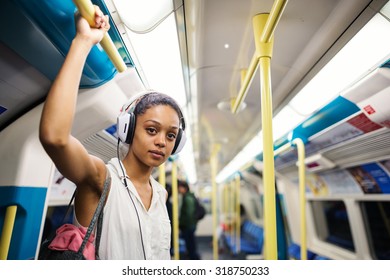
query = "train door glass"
{"x": 377, "y": 222}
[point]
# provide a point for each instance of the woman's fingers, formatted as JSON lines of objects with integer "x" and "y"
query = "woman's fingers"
{"x": 94, "y": 33}
{"x": 101, "y": 20}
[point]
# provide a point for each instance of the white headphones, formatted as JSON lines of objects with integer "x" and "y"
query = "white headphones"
{"x": 126, "y": 122}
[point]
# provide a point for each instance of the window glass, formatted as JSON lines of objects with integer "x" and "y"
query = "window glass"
{"x": 377, "y": 222}
{"x": 332, "y": 223}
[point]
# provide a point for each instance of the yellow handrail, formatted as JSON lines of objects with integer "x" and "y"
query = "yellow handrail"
{"x": 302, "y": 198}
{"x": 232, "y": 211}
{"x": 245, "y": 83}
{"x": 214, "y": 167}
{"x": 265, "y": 37}
{"x": 282, "y": 149}
{"x": 6, "y": 234}
{"x": 225, "y": 202}
{"x": 273, "y": 19}
{"x": 175, "y": 212}
{"x": 264, "y": 51}
{"x": 87, "y": 11}
{"x": 264, "y": 26}
{"x": 162, "y": 175}
{"x": 302, "y": 185}
{"x": 238, "y": 213}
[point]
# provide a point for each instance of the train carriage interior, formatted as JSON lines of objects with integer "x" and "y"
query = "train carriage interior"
{"x": 302, "y": 155}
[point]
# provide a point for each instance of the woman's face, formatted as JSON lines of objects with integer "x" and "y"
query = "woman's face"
{"x": 155, "y": 135}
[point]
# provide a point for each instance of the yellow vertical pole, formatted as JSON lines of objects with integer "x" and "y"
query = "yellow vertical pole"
{"x": 238, "y": 212}
{"x": 231, "y": 210}
{"x": 175, "y": 211}
{"x": 264, "y": 52}
{"x": 6, "y": 234}
{"x": 214, "y": 167}
{"x": 161, "y": 175}
{"x": 302, "y": 198}
{"x": 225, "y": 202}
{"x": 265, "y": 36}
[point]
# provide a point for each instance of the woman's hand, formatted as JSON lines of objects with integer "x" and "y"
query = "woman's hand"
{"x": 95, "y": 33}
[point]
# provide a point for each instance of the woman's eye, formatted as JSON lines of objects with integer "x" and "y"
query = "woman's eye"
{"x": 171, "y": 136}
{"x": 151, "y": 130}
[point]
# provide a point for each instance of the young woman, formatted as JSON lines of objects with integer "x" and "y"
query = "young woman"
{"x": 136, "y": 224}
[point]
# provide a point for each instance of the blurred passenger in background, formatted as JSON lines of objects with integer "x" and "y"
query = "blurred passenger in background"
{"x": 187, "y": 220}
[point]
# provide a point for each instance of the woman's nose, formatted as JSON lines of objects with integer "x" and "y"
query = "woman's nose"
{"x": 160, "y": 140}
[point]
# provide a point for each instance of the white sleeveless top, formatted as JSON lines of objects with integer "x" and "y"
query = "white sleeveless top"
{"x": 122, "y": 237}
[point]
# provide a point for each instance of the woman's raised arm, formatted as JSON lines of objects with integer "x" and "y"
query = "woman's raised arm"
{"x": 68, "y": 154}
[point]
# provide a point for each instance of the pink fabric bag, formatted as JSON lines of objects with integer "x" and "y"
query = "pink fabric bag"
{"x": 70, "y": 237}
{"x": 76, "y": 243}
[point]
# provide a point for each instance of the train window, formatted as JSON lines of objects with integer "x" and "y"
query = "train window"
{"x": 377, "y": 221}
{"x": 332, "y": 223}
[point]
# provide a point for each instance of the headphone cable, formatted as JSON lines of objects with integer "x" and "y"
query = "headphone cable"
{"x": 127, "y": 188}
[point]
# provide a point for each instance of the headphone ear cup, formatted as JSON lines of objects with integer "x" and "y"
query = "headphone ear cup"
{"x": 130, "y": 133}
{"x": 126, "y": 127}
{"x": 180, "y": 141}
{"x": 123, "y": 121}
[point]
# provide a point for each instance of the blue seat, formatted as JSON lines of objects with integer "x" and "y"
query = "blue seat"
{"x": 251, "y": 239}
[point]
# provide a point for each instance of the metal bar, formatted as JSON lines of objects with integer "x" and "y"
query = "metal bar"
{"x": 238, "y": 213}
{"x": 161, "y": 175}
{"x": 87, "y": 11}
{"x": 282, "y": 149}
{"x": 232, "y": 211}
{"x": 264, "y": 51}
{"x": 268, "y": 159}
{"x": 302, "y": 186}
{"x": 175, "y": 212}
{"x": 263, "y": 27}
{"x": 225, "y": 203}
{"x": 6, "y": 234}
{"x": 214, "y": 167}
{"x": 273, "y": 19}
{"x": 243, "y": 75}
{"x": 265, "y": 37}
{"x": 246, "y": 83}
{"x": 302, "y": 198}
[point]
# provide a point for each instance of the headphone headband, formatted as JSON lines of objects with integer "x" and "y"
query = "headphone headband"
{"x": 126, "y": 122}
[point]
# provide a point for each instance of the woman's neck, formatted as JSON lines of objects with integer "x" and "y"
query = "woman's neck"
{"x": 136, "y": 171}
